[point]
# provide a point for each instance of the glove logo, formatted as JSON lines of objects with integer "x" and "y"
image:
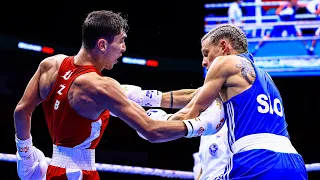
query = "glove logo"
{"x": 149, "y": 94}
{"x": 148, "y": 105}
{"x": 24, "y": 149}
{"x": 150, "y": 112}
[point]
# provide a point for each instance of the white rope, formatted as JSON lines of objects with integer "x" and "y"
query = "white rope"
{"x": 226, "y": 5}
{"x": 252, "y": 18}
{"x": 143, "y": 170}
{"x": 280, "y": 23}
{"x": 288, "y": 63}
{"x": 123, "y": 169}
{"x": 298, "y": 58}
{"x": 313, "y": 167}
{"x": 270, "y": 25}
{"x": 283, "y": 39}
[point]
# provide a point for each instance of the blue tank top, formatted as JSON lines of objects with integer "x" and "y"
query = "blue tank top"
{"x": 258, "y": 109}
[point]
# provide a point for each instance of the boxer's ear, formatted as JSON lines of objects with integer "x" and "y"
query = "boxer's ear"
{"x": 224, "y": 46}
{"x": 102, "y": 44}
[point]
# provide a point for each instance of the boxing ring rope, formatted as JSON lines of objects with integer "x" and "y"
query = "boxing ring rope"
{"x": 276, "y": 39}
{"x": 269, "y": 26}
{"x": 123, "y": 169}
{"x": 265, "y": 17}
{"x": 143, "y": 170}
{"x": 226, "y": 5}
{"x": 288, "y": 58}
{"x": 284, "y": 23}
{"x": 259, "y": 17}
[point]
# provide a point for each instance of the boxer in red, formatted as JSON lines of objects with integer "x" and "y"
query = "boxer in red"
{"x": 77, "y": 102}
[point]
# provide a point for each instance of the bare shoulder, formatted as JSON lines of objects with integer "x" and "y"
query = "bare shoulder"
{"x": 225, "y": 65}
{"x": 93, "y": 79}
{"x": 52, "y": 62}
{"x": 100, "y": 90}
{"x": 96, "y": 84}
{"x": 48, "y": 68}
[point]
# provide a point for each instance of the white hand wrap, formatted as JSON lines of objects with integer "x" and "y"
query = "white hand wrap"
{"x": 147, "y": 98}
{"x": 157, "y": 115}
{"x": 209, "y": 122}
{"x": 31, "y": 162}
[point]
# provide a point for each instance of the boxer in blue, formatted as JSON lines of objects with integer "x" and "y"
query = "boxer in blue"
{"x": 257, "y": 129}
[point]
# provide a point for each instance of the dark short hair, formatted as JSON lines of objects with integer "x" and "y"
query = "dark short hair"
{"x": 102, "y": 24}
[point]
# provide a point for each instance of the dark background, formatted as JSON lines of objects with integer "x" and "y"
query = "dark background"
{"x": 158, "y": 30}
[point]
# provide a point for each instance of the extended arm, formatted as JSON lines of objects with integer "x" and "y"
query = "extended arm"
{"x": 208, "y": 122}
{"x": 154, "y": 98}
{"x": 178, "y": 98}
{"x": 182, "y": 113}
{"x": 215, "y": 79}
{"x": 196, "y": 125}
{"x": 113, "y": 97}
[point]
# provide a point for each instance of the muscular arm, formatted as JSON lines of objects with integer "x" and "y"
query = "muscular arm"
{"x": 36, "y": 91}
{"x": 217, "y": 75}
{"x": 180, "y": 98}
{"x": 182, "y": 113}
{"x": 25, "y": 107}
{"x": 113, "y": 97}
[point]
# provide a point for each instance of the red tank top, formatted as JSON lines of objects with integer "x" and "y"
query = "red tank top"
{"x": 67, "y": 128}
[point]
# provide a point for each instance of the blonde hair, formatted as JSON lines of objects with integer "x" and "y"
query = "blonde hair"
{"x": 231, "y": 32}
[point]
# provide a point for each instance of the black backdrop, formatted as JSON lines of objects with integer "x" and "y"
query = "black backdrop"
{"x": 166, "y": 29}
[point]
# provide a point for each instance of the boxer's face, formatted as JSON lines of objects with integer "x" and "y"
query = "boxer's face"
{"x": 210, "y": 51}
{"x": 114, "y": 50}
